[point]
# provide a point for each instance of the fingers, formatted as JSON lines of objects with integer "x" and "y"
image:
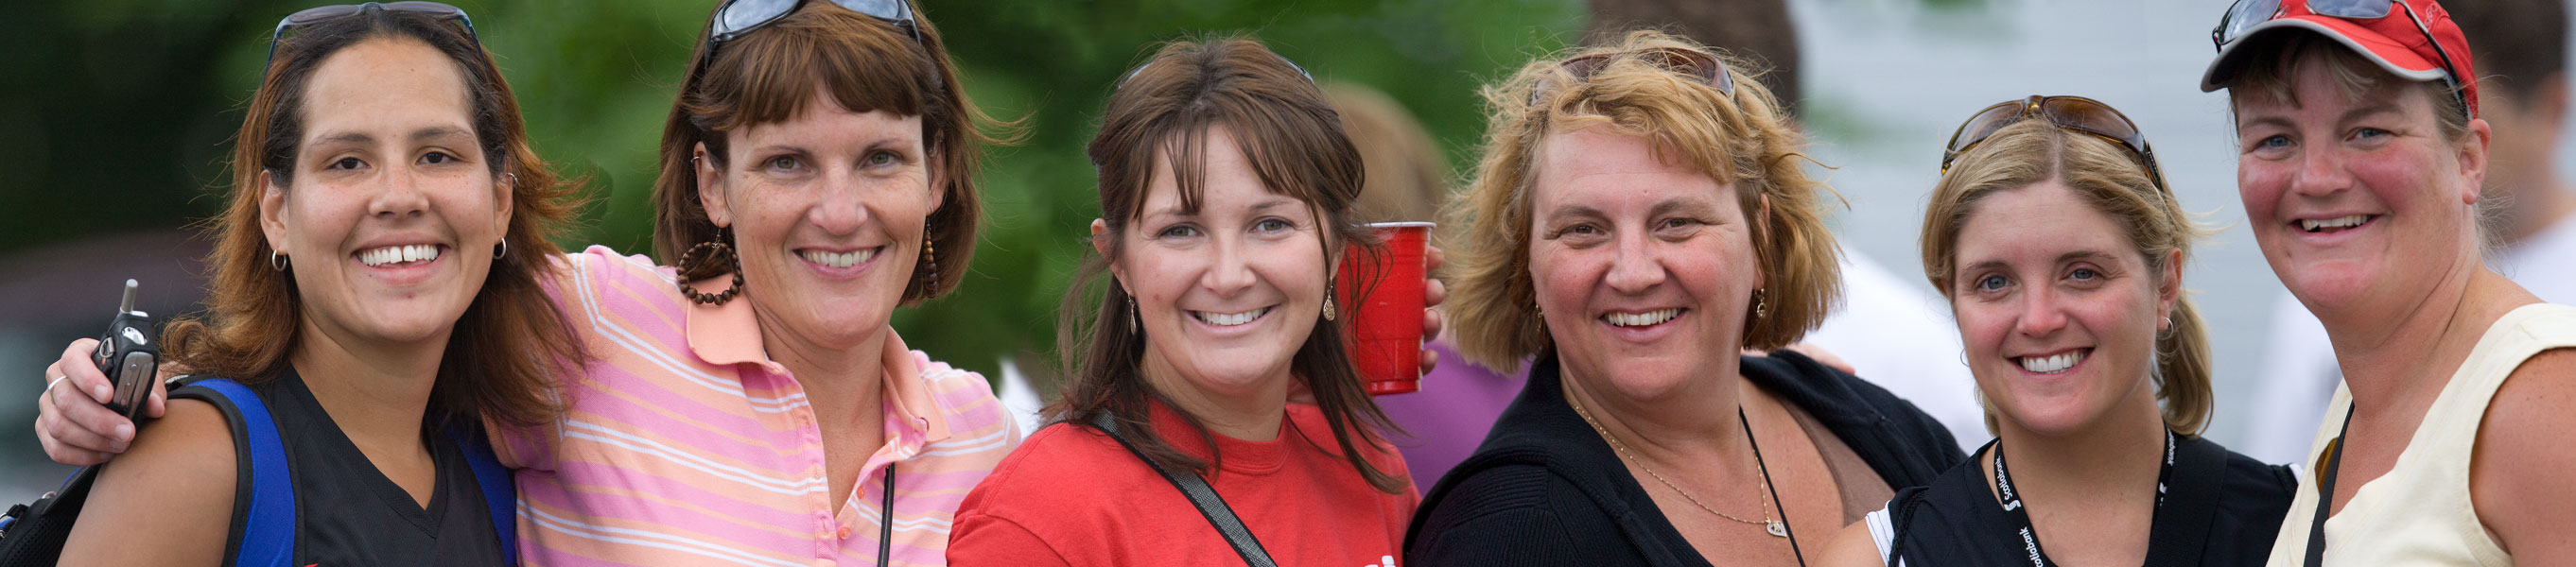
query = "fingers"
{"x": 152, "y": 406}
{"x": 1430, "y": 360}
{"x": 72, "y": 421}
{"x": 84, "y": 373}
{"x": 1431, "y": 324}
{"x": 1431, "y": 258}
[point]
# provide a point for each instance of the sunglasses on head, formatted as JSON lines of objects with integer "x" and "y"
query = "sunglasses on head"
{"x": 309, "y": 16}
{"x": 2245, "y": 14}
{"x": 1292, "y": 64}
{"x": 738, "y": 17}
{"x": 1691, "y": 62}
{"x": 2071, "y": 113}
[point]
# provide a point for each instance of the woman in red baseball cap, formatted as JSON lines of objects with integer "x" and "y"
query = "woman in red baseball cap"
{"x": 2360, "y": 156}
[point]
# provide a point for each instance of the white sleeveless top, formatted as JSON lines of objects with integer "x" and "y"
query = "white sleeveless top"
{"x": 2420, "y": 513}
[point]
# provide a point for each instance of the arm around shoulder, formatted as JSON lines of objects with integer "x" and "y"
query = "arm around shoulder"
{"x": 2518, "y": 477}
{"x": 168, "y": 501}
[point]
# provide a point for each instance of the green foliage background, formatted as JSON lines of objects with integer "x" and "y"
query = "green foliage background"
{"x": 115, "y": 114}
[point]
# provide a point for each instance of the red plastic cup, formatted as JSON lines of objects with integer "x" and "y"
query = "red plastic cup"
{"x": 1386, "y": 328}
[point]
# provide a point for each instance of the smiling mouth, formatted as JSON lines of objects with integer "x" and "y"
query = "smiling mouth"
{"x": 394, "y": 256}
{"x": 2337, "y": 224}
{"x": 2054, "y": 363}
{"x": 1229, "y": 319}
{"x": 839, "y": 259}
{"x": 1646, "y": 319}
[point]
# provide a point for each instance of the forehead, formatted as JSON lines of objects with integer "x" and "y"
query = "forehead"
{"x": 825, "y": 122}
{"x": 2318, "y": 83}
{"x": 2038, "y": 223}
{"x": 1587, "y": 165}
{"x": 385, "y": 85}
{"x": 1228, "y": 180}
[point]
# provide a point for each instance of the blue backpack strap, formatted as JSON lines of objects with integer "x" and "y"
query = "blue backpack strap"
{"x": 268, "y": 531}
{"x": 500, "y": 493}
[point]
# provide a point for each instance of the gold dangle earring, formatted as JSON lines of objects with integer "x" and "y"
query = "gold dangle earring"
{"x": 1328, "y": 298}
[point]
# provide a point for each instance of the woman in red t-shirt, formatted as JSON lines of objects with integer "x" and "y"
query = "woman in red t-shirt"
{"x": 1226, "y": 183}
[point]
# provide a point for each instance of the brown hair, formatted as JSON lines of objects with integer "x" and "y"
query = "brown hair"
{"x": 500, "y": 355}
{"x": 2269, "y": 72}
{"x": 768, "y": 75}
{"x": 2107, "y": 176}
{"x": 1744, "y": 139}
{"x": 1406, "y": 177}
{"x": 1296, "y": 145}
{"x": 2523, "y": 42}
{"x": 1754, "y": 30}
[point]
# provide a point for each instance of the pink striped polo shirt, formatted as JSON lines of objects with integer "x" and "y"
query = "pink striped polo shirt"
{"x": 684, "y": 444}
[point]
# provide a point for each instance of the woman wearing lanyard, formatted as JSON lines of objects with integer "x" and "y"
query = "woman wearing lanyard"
{"x": 753, "y": 404}
{"x": 375, "y": 280}
{"x": 2360, "y": 158}
{"x": 1225, "y": 190}
{"x": 1642, "y": 215}
{"x": 2061, "y": 251}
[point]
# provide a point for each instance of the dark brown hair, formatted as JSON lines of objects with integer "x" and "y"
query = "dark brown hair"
{"x": 1296, "y": 145}
{"x": 2522, "y": 43}
{"x": 768, "y": 75}
{"x": 504, "y": 348}
{"x": 2104, "y": 175}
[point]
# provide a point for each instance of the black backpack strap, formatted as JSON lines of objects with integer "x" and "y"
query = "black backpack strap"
{"x": 2181, "y": 529}
{"x": 1900, "y": 513}
{"x": 1200, "y": 495}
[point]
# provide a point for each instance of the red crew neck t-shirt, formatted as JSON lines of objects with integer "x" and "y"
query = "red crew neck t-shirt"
{"x": 1071, "y": 495}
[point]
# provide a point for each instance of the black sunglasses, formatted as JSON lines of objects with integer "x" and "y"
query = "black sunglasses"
{"x": 318, "y": 14}
{"x": 1695, "y": 63}
{"x": 2245, "y": 14}
{"x": 2071, "y": 113}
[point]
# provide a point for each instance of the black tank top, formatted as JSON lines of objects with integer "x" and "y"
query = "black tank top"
{"x": 1956, "y": 521}
{"x": 348, "y": 513}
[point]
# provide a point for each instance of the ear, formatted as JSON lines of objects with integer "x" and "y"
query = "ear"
{"x": 2473, "y": 160}
{"x": 505, "y": 197}
{"x": 2169, "y": 289}
{"x": 1100, "y": 244}
{"x": 272, "y": 213}
{"x": 938, "y": 182}
{"x": 711, "y": 193}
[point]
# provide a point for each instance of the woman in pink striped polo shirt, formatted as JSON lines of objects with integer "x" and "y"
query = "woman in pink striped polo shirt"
{"x": 753, "y": 405}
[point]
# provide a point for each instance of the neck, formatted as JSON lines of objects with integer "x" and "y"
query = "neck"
{"x": 1697, "y": 423}
{"x": 2110, "y": 462}
{"x": 1250, "y": 415}
{"x": 377, "y": 393}
{"x": 2389, "y": 365}
{"x": 844, "y": 385}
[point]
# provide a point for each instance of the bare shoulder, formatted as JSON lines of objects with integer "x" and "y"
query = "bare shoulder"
{"x": 2518, "y": 469}
{"x": 172, "y": 492}
{"x": 1851, "y": 547}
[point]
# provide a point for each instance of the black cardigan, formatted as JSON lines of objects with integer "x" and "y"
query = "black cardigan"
{"x": 1544, "y": 489}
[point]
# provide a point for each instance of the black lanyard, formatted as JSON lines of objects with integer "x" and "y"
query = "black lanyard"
{"x": 885, "y": 520}
{"x": 2021, "y": 515}
{"x": 2325, "y": 492}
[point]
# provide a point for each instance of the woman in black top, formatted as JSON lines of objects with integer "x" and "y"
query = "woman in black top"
{"x": 1640, "y": 216}
{"x": 2061, "y": 251}
{"x": 375, "y": 283}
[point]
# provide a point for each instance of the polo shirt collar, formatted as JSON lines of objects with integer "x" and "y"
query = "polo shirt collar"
{"x": 729, "y": 334}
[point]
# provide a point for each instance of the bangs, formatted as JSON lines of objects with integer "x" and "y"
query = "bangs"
{"x": 1286, "y": 158}
{"x": 863, "y": 63}
{"x": 1686, "y": 120}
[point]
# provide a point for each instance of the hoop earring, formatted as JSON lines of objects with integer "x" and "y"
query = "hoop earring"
{"x": 930, "y": 254}
{"x": 276, "y": 261}
{"x": 731, "y": 262}
{"x": 501, "y": 250}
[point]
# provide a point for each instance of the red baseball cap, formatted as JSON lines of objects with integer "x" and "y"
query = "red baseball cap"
{"x": 2413, "y": 39}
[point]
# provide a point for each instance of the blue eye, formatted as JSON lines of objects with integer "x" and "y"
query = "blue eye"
{"x": 2273, "y": 142}
{"x": 1991, "y": 283}
{"x": 883, "y": 159}
{"x": 2084, "y": 274}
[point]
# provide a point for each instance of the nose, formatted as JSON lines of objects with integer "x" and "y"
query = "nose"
{"x": 842, "y": 206}
{"x": 2040, "y": 314}
{"x": 2321, "y": 172}
{"x": 1231, "y": 273}
{"x": 399, "y": 194}
{"x": 1635, "y": 268}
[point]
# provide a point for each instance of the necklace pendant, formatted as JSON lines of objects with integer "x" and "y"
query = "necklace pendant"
{"x": 1776, "y": 528}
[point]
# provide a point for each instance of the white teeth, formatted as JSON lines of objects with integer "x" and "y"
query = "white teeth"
{"x": 1641, "y": 319}
{"x": 839, "y": 259}
{"x": 2342, "y": 222}
{"x": 2052, "y": 364}
{"x": 398, "y": 254}
{"x": 1229, "y": 319}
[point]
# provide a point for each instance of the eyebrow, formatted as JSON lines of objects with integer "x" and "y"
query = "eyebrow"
{"x": 440, "y": 133}
{"x": 434, "y": 133}
{"x": 2382, "y": 107}
{"x": 1985, "y": 265}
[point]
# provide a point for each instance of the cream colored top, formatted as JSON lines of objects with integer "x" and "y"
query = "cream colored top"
{"x": 2420, "y": 513}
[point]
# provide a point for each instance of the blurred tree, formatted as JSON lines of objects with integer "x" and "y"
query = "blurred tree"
{"x": 116, "y": 113}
